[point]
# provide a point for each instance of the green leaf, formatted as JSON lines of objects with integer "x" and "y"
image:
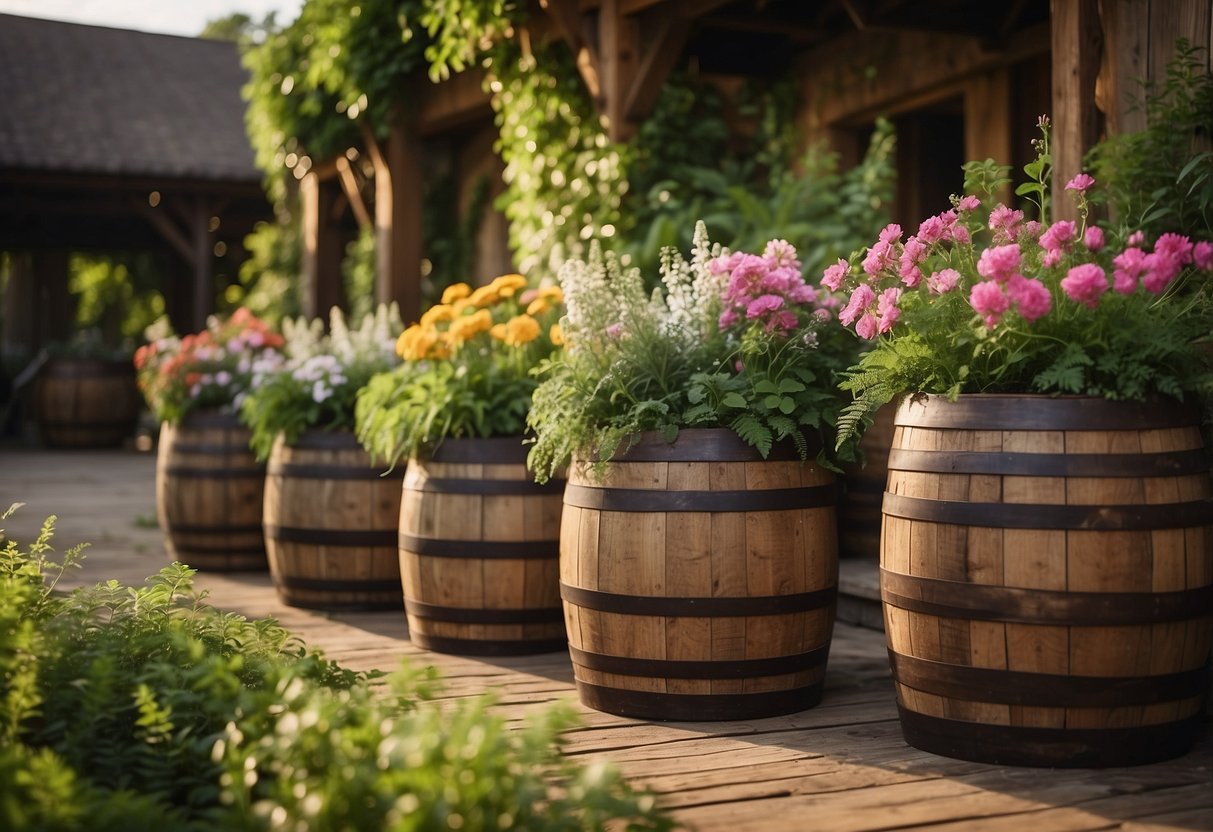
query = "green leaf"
{"x": 786, "y": 405}
{"x": 734, "y": 400}
{"x": 766, "y": 386}
{"x": 790, "y": 385}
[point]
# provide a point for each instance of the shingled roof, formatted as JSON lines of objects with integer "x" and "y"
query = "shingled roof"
{"x": 94, "y": 100}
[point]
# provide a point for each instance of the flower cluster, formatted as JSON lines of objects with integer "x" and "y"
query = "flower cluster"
{"x": 212, "y": 369}
{"x": 316, "y": 385}
{"x": 730, "y": 339}
{"x": 467, "y": 368}
{"x": 978, "y": 301}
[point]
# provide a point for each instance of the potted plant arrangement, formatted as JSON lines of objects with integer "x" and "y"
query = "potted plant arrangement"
{"x": 330, "y": 511}
{"x": 698, "y": 538}
{"x": 478, "y": 537}
{"x": 208, "y": 485}
{"x": 1047, "y": 547}
{"x": 85, "y": 395}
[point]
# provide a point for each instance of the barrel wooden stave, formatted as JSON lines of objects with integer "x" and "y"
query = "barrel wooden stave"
{"x": 330, "y": 523}
{"x": 1036, "y": 727}
{"x": 476, "y": 599}
{"x": 859, "y": 516}
{"x": 726, "y": 555}
{"x": 86, "y": 403}
{"x": 209, "y": 491}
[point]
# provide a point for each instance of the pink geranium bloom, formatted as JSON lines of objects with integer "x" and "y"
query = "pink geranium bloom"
{"x": 615, "y": 330}
{"x": 1202, "y": 255}
{"x": 1004, "y": 222}
{"x": 891, "y": 233}
{"x": 781, "y": 254}
{"x": 783, "y": 321}
{"x": 803, "y": 294}
{"x": 999, "y": 263}
{"x": 1137, "y": 238}
{"x": 1059, "y": 235}
{"x": 1080, "y": 183}
{"x": 861, "y": 299}
{"x": 887, "y": 309}
{"x": 968, "y": 203}
{"x": 1161, "y": 269}
{"x": 727, "y": 318}
{"x": 721, "y": 265}
{"x": 1031, "y": 297}
{"x": 944, "y": 281}
{"x": 1085, "y": 284}
{"x": 833, "y": 276}
{"x": 937, "y": 228}
{"x": 867, "y": 326}
{"x": 1129, "y": 265}
{"x": 1176, "y": 247}
{"x": 988, "y": 299}
{"x": 764, "y": 305}
{"x": 1093, "y": 238}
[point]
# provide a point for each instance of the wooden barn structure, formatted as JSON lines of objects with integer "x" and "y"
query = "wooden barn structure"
{"x": 960, "y": 79}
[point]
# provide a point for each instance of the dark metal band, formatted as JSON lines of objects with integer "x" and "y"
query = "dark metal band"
{"x": 307, "y": 471}
{"x": 685, "y": 607}
{"x": 1032, "y": 412}
{"x": 331, "y": 537}
{"x": 214, "y": 448}
{"x": 697, "y": 707}
{"x": 257, "y": 549}
{"x": 1051, "y": 747}
{"x": 486, "y": 647}
{"x": 212, "y": 420}
{"x": 1170, "y": 464}
{"x": 188, "y": 472}
{"x": 445, "y": 485}
{"x": 187, "y": 528}
{"x": 480, "y": 549}
{"x": 482, "y": 615}
{"x": 86, "y": 368}
{"x": 293, "y": 598}
{"x": 74, "y": 424}
{"x": 960, "y": 599}
{"x": 651, "y": 500}
{"x": 1139, "y": 517}
{"x": 704, "y": 445}
{"x": 1043, "y": 690}
{"x": 323, "y": 440}
{"x": 221, "y": 563}
{"x": 389, "y": 585}
{"x": 497, "y": 450}
{"x": 701, "y": 668}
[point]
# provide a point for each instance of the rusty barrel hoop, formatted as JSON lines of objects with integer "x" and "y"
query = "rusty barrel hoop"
{"x": 209, "y": 490}
{"x": 1047, "y": 578}
{"x": 478, "y": 543}
{"x": 330, "y": 524}
{"x": 700, "y": 580}
{"x": 86, "y": 402}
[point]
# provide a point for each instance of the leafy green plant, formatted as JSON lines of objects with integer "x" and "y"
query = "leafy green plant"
{"x": 318, "y": 382}
{"x": 144, "y": 708}
{"x": 467, "y": 369}
{"x": 731, "y": 341}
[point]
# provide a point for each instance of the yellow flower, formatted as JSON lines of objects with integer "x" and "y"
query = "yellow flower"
{"x": 498, "y": 331}
{"x": 456, "y": 291}
{"x": 484, "y": 296}
{"x": 459, "y": 305}
{"x": 508, "y": 284}
{"x": 437, "y": 314}
{"x": 416, "y": 342}
{"x": 553, "y": 293}
{"x": 538, "y": 306}
{"x": 464, "y": 328}
{"x": 521, "y": 329}
{"x": 556, "y": 333}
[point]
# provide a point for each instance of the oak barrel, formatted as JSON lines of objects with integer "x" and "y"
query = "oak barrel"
{"x": 699, "y": 580}
{"x": 330, "y": 524}
{"x": 863, "y": 490}
{"x": 86, "y": 402}
{"x": 208, "y": 494}
{"x": 1047, "y": 578}
{"x": 479, "y": 542}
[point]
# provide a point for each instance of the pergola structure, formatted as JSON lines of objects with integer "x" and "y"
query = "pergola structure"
{"x": 118, "y": 141}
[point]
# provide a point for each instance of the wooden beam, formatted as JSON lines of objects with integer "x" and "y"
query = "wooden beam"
{"x": 399, "y": 185}
{"x": 655, "y": 67}
{"x": 617, "y": 53}
{"x": 459, "y": 100}
{"x": 570, "y": 23}
{"x": 165, "y": 227}
{"x": 320, "y": 269}
{"x": 987, "y": 114}
{"x": 349, "y": 184}
{"x": 1077, "y": 41}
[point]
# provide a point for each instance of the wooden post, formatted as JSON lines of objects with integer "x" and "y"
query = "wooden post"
{"x": 399, "y": 182}
{"x": 1077, "y": 43}
{"x": 321, "y": 287}
{"x": 200, "y": 262}
{"x": 617, "y": 53}
{"x": 987, "y": 114}
{"x": 56, "y": 308}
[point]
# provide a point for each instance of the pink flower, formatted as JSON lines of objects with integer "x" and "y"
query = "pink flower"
{"x": 911, "y": 255}
{"x": 1029, "y": 230}
{"x": 867, "y": 327}
{"x": 727, "y": 318}
{"x": 861, "y": 299}
{"x": 942, "y": 282}
{"x": 988, "y": 299}
{"x": 1174, "y": 246}
{"x": 763, "y": 306}
{"x": 720, "y": 265}
{"x": 1136, "y": 238}
{"x": 1085, "y": 284}
{"x": 803, "y": 293}
{"x": 937, "y": 228}
{"x": 1051, "y": 258}
{"x": 615, "y": 330}
{"x": 968, "y": 203}
{"x": 999, "y": 263}
{"x": 783, "y": 320}
{"x": 1093, "y": 238}
{"x": 887, "y": 308}
{"x": 1031, "y": 297}
{"x": 1005, "y": 223}
{"x": 1059, "y": 235}
{"x": 1161, "y": 269}
{"x": 1129, "y": 264}
{"x": 1080, "y": 183}
{"x": 833, "y": 276}
{"x": 781, "y": 254}
{"x": 1202, "y": 255}
{"x": 961, "y": 234}
{"x": 891, "y": 233}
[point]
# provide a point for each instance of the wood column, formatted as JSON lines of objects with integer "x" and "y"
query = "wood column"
{"x": 1077, "y": 39}
{"x": 56, "y": 310}
{"x": 399, "y": 184}
{"x": 321, "y": 286}
{"x": 987, "y": 114}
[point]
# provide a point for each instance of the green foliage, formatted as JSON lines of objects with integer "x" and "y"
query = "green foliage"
{"x": 317, "y": 385}
{"x": 1161, "y": 178}
{"x": 146, "y": 709}
{"x": 117, "y": 295}
{"x": 269, "y": 278}
{"x": 358, "y": 273}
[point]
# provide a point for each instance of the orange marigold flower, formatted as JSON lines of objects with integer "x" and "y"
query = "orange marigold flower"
{"x": 437, "y": 314}
{"x": 456, "y": 291}
{"x": 498, "y": 331}
{"x": 538, "y": 306}
{"x": 464, "y": 328}
{"x": 508, "y": 284}
{"x": 484, "y": 296}
{"x": 416, "y": 342}
{"x": 553, "y": 293}
{"x": 521, "y": 329}
{"x": 556, "y": 333}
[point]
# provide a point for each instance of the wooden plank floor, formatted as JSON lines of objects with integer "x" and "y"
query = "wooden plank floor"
{"x": 839, "y": 766}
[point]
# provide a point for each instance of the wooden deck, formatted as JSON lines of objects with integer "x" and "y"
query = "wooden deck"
{"x": 839, "y": 766}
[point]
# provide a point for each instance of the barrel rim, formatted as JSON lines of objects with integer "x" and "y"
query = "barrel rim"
{"x": 211, "y": 418}
{"x": 1039, "y": 411}
{"x": 703, "y": 445}
{"x": 489, "y": 450}
{"x": 319, "y": 439}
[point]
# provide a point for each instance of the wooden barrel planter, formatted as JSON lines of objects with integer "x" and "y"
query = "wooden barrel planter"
{"x": 330, "y": 524}
{"x": 86, "y": 402}
{"x": 208, "y": 494}
{"x": 1047, "y": 578}
{"x": 479, "y": 548}
{"x": 699, "y": 580}
{"x": 863, "y": 491}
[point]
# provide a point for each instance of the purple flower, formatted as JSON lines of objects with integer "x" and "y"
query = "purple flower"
{"x": 615, "y": 330}
{"x": 1085, "y": 284}
{"x": 727, "y": 318}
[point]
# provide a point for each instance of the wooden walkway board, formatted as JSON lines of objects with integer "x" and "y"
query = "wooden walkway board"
{"x": 839, "y": 766}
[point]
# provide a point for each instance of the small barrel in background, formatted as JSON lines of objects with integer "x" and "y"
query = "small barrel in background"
{"x": 863, "y": 490}
{"x": 86, "y": 402}
{"x": 1047, "y": 578}
{"x": 209, "y": 492}
{"x": 330, "y": 524}
{"x": 479, "y": 547}
{"x": 700, "y": 580}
